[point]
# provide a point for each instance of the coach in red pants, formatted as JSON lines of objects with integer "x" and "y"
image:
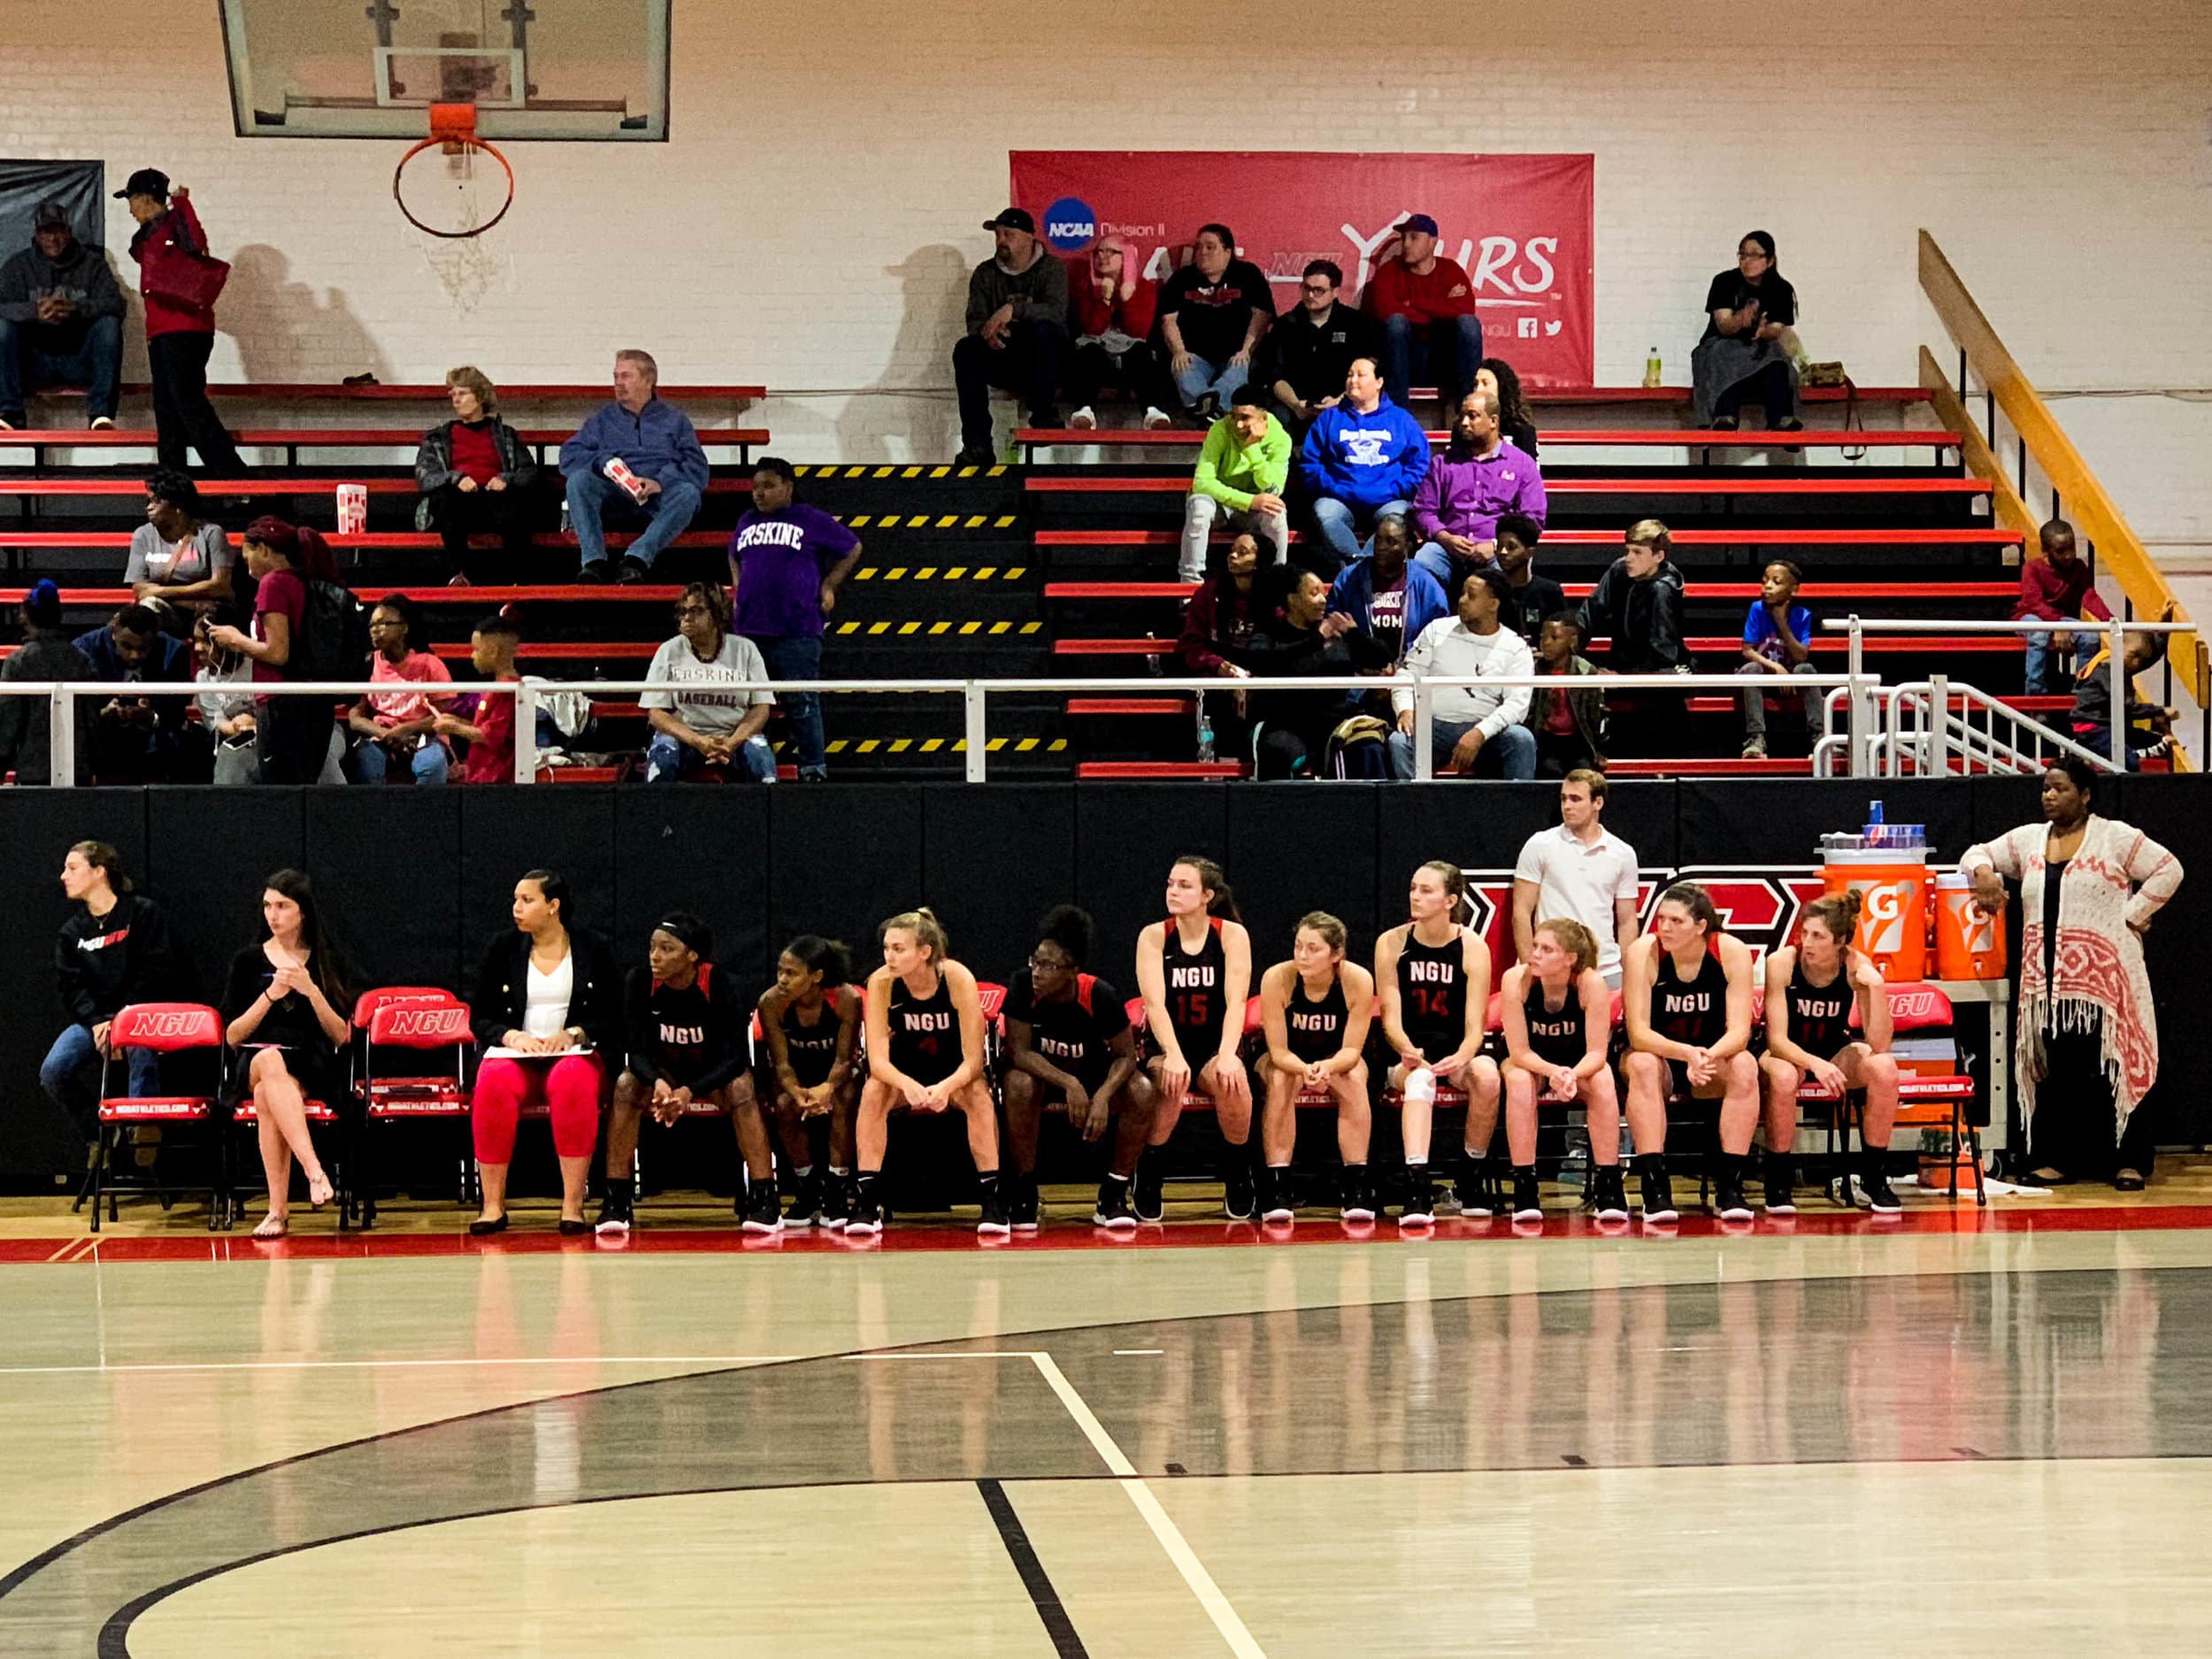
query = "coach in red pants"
{"x": 548, "y": 1017}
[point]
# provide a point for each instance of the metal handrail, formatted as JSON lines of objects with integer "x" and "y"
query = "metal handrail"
{"x": 529, "y": 691}
{"x": 2117, "y": 629}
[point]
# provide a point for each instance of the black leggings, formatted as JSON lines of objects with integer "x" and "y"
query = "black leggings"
{"x": 455, "y": 514}
{"x": 2073, "y": 1113}
{"x": 292, "y": 735}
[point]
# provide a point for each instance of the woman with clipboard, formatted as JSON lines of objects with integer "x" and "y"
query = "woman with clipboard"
{"x": 549, "y": 1011}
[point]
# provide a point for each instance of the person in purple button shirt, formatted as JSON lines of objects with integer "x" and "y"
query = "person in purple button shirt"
{"x": 1469, "y": 487}
{"x": 787, "y": 560}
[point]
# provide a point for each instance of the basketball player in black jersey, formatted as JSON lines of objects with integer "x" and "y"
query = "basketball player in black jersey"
{"x": 1069, "y": 1045}
{"x": 1432, "y": 997}
{"x": 1558, "y": 1020}
{"x": 1685, "y": 991}
{"x": 1813, "y": 988}
{"x": 805, "y": 1060}
{"x": 1194, "y": 972}
{"x": 686, "y": 1048}
{"x": 925, "y": 1052}
{"x": 1315, "y": 1009}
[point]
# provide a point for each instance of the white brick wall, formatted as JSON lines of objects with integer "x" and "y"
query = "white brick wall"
{"x": 811, "y": 220}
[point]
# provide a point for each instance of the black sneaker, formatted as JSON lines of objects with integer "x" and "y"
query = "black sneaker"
{"x": 990, "y": 1219}
{"x": 1359, "y": 1195}
{"x": 1113, "y": 1207}
{"x": 1021, "y": 1204}
{"x": 1879, "y": 1197}
{"x": 1275, "y": 1204}
{"x": 614, "y": 1214}
{"x": 1236, "y": 1185}
{"x": 595, "y": 570}
{"x": 869, "y": 1215}
{"x": 1477, "y": 1190}
{"x": 1607, "y": 1194}
{"x": 1658, "y": 1195}
{"x": 975, "y": 455}
{"x": 1729, "y": 1203}
{"x": 1146, "y": 1196}
{"x": 837, "y": 1203}
{"x": 806, "y": 1202}
{"x": 1527, "y": 1203}
{"x": 763, "y": 1212}
{"x": 628, "y": 570}
{"x": 1419, "y": 1208}
{"x": 1779, "y": 1180}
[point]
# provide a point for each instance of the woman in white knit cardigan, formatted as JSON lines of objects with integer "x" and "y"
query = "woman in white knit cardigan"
{"x": 2088, "y": 1041}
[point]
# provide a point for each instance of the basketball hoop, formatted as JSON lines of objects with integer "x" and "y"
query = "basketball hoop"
{"x": 451, "y": 214}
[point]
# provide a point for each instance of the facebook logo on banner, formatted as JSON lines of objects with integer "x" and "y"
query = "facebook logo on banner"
{"x": 1070, "y": 225}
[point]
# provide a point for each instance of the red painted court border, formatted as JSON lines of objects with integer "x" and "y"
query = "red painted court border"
{"x": 946, "y": 1235}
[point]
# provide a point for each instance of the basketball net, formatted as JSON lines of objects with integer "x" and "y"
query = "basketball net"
{"x": 454, "y": 188}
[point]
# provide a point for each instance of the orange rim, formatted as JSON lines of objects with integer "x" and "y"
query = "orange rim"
{"x": 440, "y": 142}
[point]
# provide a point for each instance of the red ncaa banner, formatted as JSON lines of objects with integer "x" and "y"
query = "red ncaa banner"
{"x": 1520, "y": 225}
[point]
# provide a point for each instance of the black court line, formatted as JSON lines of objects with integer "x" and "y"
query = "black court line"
{"x": 1065, "y": 1642}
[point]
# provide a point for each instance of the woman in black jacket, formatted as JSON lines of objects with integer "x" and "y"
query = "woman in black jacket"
{"x": 288, "y": 1005}
{"x": 548, "y": 1020}
{"x": 114, "y": 952}
{"x": 686, "y": 1046}
{"x": 476, "y": 473}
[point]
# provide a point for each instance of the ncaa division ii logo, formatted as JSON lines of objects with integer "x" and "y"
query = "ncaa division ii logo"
{"x": 1070, "y": 225}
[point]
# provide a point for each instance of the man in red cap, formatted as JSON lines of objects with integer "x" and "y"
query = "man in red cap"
{"x": 1425, "y": 307}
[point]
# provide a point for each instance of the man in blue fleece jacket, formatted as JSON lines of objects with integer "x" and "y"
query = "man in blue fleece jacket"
{"x": 1361, "y": 460}
{"x": 654, "y": 443}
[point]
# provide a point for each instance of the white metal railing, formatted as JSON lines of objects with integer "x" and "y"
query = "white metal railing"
{"x": 531, "y": 692}
{"x": 1938, "y": 715}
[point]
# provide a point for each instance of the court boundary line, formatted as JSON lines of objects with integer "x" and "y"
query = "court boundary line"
{"x": 1210, "y": 1596}
{"x": 735, "y": 1361}
{"x": 1051, "y": 1609}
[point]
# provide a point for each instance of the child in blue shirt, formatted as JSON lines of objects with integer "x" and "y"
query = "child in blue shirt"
{"x": 1777, "y": 638}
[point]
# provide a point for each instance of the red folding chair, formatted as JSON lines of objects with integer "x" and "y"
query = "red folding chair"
{"x": 163, "y": 1028}
{"x": 421, "y": 1022}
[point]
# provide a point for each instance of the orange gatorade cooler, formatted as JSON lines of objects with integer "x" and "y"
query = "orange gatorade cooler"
{"x": 1968, "y": 944}
{"x": 1892, "y": 886}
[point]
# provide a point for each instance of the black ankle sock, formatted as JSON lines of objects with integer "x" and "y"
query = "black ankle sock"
{"x": 1651, "y": 1166}
{"x": 620, "y": 1186}
{"x": 988, "y": 1181}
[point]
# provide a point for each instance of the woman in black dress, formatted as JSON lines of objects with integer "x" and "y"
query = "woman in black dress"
{"x": 288, "y": 1005}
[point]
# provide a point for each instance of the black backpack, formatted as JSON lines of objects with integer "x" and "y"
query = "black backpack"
{"x": 333, "y": 636}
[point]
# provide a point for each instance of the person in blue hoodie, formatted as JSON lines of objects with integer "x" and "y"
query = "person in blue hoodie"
{"x": 1362, "y": 460}
{"x": 136, "y": 737}
{"x": 1388, "y": 597}
{"x": 654, "y": 442}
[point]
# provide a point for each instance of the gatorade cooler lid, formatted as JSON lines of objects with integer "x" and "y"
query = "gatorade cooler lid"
{"x": 1874, "y": 856}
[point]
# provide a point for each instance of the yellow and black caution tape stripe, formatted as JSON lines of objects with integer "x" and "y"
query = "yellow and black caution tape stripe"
{"x": 901, "y": 629}
{"x": 930, "y": 521}
{"x": 946, "y": 572}
{"x": 864, "y": 470}
{"x": 937, "y": 746}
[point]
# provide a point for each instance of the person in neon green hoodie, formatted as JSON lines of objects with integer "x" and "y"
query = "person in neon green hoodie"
{"x": 1241, "y": 471}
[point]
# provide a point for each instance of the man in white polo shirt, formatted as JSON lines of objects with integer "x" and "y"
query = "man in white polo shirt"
{"x": 1580, "y": 870}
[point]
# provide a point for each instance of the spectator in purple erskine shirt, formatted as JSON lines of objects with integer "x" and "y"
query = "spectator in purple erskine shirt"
{"x": 786, "y": 561}
{"x": 1469, "y": 487}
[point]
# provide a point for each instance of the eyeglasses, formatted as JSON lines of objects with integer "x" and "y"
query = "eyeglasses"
{"x": 1754, "y": 254}
{"x": 1319, "y": 288}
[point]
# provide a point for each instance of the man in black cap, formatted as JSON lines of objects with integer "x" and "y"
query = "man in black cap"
{"x": 1017, "y": 333}
{"x": 61, "y": 320}
{"x": 26, "y": 725}
{"x": 179, "y": 281}
{"x": 1425, "y": 307}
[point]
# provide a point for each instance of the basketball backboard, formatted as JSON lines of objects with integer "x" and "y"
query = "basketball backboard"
{"x": 565, "y": 69}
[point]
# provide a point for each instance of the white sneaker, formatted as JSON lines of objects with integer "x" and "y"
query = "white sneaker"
{"x": 1083, "y": 420}
{"x": 1156, "y": 419}
{"x": 103, "y": 424}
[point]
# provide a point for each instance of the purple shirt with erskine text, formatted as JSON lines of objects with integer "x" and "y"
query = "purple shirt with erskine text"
{"x": 781, "y": 559}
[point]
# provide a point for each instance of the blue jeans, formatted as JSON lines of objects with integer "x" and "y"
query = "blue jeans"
{"x": 1338, "y": 524}
{"x": 1450, "y": 351}
{"x": 1508, "y": 754}
{"x": 371, "y": 763}
{"x": 593, "y": 496}
{"x": 70, "y": 1076}
{"x": 1224, "y": 380}
{"x": 96, "y": 364}
{"x": 2042, "y": 658}
{"x": 668, "y": 761}
{"x": 1451, "y": 573}
{"x": 795, "y": 656}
